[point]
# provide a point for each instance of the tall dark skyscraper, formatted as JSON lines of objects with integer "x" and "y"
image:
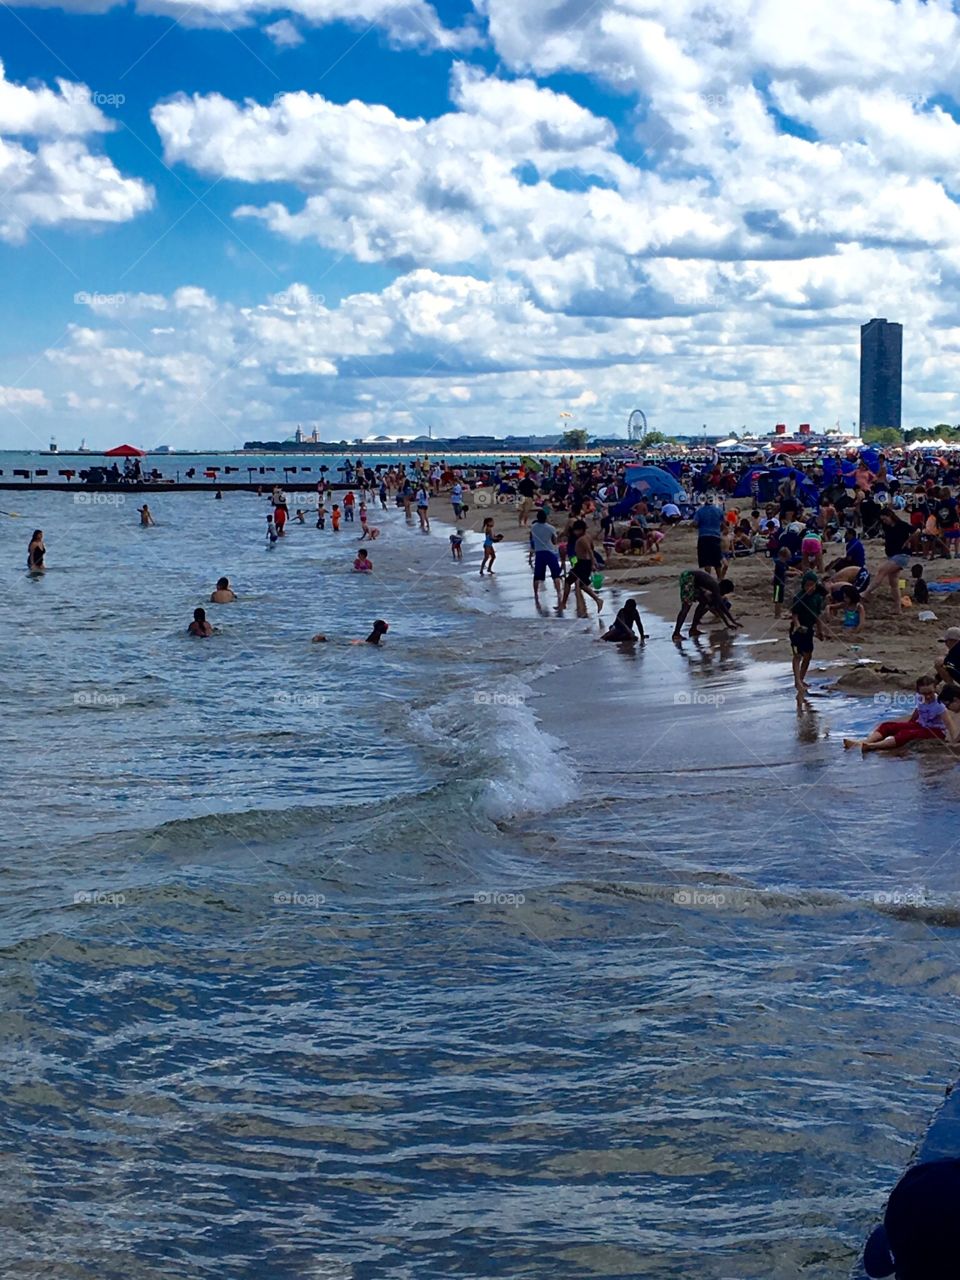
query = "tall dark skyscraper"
{"x": 881, "y": 373}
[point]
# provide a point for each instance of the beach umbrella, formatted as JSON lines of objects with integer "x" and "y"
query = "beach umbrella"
{"x": 125, "y": 451}
{"x": 789, "y": 448}
{"x": 531, "y": 464}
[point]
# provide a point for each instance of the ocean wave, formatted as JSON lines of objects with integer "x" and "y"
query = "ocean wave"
{"x": 491, "y": 735}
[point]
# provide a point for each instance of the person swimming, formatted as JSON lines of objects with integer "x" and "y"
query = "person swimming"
{"x": 200, "y": 626}
{"x": 224, "y": 593}
{"x": 363, "y": 563}
{"x": 380, "y": 629}
{"x": 35, "y": 553}
{"x": 622, "y": 630}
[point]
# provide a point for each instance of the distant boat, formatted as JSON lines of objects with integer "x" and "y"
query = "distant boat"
{"x": 53, "y": 447}
{"x": 162, "y": 448}
{"x": 82, "y": 448}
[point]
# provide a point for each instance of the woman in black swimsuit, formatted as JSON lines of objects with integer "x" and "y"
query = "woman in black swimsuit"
{"x": 35, "y": 552}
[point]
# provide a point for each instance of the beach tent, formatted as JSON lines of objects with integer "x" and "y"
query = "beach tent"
{"x": 768, "y": 480}
{"x": 125, "y": 451}
{"x": 654, "y": 482}
{"x": 648, "y": 482}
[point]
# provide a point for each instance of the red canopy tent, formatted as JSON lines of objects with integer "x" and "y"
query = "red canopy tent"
{"x": 789, "y": 448}
{"x": 125, "y": 451}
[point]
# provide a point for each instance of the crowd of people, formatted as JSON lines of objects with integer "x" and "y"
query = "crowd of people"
{"x": 814, "y": 523}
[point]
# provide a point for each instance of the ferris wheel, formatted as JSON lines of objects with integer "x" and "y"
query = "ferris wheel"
{"x": 637, "y": 426}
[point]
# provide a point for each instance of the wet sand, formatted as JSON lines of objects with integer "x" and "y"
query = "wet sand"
{"x": 887, "y": 653}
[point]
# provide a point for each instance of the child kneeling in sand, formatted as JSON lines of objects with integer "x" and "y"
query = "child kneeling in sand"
{"x": 934, "y": 718}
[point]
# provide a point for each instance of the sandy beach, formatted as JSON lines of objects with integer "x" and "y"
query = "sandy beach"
{"x": 887, "y": 653}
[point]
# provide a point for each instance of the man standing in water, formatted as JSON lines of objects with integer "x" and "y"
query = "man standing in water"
{"x": 582, "y": 572}
{"x": 146, "y": 517}
{"x": 543, "y": 543}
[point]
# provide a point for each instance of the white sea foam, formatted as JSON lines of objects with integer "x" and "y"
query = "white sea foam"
{"x": 492, "y": 733}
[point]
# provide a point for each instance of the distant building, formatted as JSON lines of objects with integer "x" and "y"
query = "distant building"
{"x": 881, "y": 374}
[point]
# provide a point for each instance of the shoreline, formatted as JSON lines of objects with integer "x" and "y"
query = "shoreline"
{"x": 887, "y": 653}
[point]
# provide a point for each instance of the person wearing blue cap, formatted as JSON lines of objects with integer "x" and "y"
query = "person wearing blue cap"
{"x": 920, "y": 1235}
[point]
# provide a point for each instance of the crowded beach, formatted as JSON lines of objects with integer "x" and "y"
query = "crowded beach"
{"x": 843, "y": 564}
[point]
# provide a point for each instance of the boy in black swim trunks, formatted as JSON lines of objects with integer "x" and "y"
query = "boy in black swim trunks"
{"x": 804, "y": 624}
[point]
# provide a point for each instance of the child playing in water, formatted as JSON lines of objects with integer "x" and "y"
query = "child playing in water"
{"x": 456, "y": 544}
{"x": 622, "y": 630}
{"x": 335, "y": 517}
{"x": 380, "y": 629}
{"x": 489, "y": 549}
{"x": 363, "y": 519}
{"x": 271, "y": 531}
{"x": 363, "y": 563}
{"x": 200, "y": 626}
{"x": 929, "y": 720}
{"x": 804, "y": 625}
{"x": 321, "y": 516}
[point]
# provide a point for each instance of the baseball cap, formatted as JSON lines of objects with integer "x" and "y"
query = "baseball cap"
{"x": 920, "y": 1235}
{"x": 952, "y": 636}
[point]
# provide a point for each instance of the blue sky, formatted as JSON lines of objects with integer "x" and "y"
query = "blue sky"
{"x": 472, "y": 217}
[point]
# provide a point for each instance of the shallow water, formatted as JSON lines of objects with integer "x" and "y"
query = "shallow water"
{"x": 498, "y": 952}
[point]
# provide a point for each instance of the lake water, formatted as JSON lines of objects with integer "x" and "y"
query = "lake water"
{"x": 496, "y": 952}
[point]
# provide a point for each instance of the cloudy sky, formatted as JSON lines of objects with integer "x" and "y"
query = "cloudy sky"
{"x": 221, "y": 218}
